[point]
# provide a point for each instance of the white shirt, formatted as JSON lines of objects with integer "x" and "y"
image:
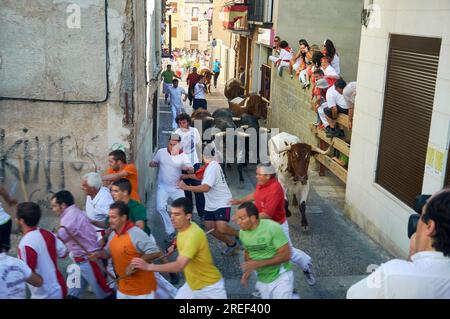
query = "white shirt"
{"x": 13, "y": 275}
{"x": 4, "y": 216}
{"x": 285, "y": 55}
{"x": 175, "y": 97}
{"x": 335, "y": 64}
{"x": 330, "y": 71}
{"x": 189, "y": 140}
{"x": 170, "y": 167}
{"x": 46, "y": 266}
{"x": 335, "y": 98}
{"x": 98, "y": 208}
{"x": 427, "y": 276}
{"x": 219, "y": 195}
{"x": 199, "y": 91}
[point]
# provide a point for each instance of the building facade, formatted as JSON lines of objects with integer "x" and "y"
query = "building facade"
{"x": 400, "y": 139}
{"x": 77, "y": 80}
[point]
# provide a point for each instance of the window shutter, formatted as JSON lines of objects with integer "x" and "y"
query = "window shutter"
{"x": 408, "y": 104}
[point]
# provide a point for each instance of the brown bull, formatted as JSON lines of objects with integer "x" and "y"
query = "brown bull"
{"x": 254, "y": 104}
{"x": 233, "y": 89}
{"x": 291, "y": 159}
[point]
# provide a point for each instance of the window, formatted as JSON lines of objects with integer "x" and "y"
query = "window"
{"x": 195, "y": 11}
{"x": 174, "y": 32}
{"x": 408, "y": 104}
{"x": 194, "y": 33}
{"x": 174, "y": 7}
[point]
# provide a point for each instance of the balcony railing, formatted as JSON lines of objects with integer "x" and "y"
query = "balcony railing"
{"x": 260, "y": 11}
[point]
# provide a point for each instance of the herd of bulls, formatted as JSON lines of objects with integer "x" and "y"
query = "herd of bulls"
{"x": 239, "y": 139}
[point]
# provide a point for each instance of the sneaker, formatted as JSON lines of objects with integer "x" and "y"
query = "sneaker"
{"x": 229, "y": 250}
{"x": 310, "y": 279}
{"x": 256, "y": 294}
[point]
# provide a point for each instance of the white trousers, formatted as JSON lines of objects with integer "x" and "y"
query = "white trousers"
{"x": 163, "y": 194}
{"x": 123, "y": 296}
{"x": 302, "y": 76}
{"x": 322, "y": 115}
{"x": 283, "y": 64}
{"x": 214, "y": 291}
{"x": 298, "y": 257}
{"x": 175, "y": 111}
{"x": 165, "y": 289}
{"x": 281, "y": 288}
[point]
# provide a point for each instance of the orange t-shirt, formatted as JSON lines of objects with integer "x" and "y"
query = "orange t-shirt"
{"x": 122, "y": 251}
{"x": 132, "y": 177}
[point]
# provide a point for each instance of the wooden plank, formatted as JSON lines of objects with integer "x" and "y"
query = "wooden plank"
{"x": 342, "y": 119}
{"x": 334, "y": 167}
{"x": 338, "y": 144}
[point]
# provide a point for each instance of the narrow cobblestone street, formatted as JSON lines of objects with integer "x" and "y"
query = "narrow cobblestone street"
{"x": 341, "y": 253}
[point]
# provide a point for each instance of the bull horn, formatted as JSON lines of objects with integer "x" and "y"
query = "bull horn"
{"x": 209, "y": 118}
{"x": 242, "y": 134}
{"x": 287, "y": 148}
{"x": 323, "y": 152}
{"x": 236, "y": 119}
{"x": 220, "y": 134}
{"x": 244, "y": 127}
{"x": 265, "y": 100}
{"x": 245, "y": 103}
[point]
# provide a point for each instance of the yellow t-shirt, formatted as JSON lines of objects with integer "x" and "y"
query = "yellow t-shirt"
{"x": 200, "y": 271}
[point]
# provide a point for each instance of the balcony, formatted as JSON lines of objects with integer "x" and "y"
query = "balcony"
{"x": 260, "y": 12}
{"x": 234, "y": 16}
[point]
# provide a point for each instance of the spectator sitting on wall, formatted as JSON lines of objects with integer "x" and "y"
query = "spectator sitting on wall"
{"x": 329, "y": 50}
{"x": 321, "y": 103}
{"x": 296, "y": 62}
{"x": 319, "y": 94}
{"x": 283, "y": 61}
{"x": 427, "y": 274}
{"x": 336, "y": 104}
{"x": 349, "y": 94}
{"x": 330, "y": 73}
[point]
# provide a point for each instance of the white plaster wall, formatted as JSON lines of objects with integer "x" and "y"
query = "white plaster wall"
{"x": 378, "y": 212}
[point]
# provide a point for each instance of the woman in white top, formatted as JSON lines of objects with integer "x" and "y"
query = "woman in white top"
{"x": 199, "y": 95}
{"x": 5, "y": 221}
{"x": 330, "y": 51}
{"x": 191, "y": 144}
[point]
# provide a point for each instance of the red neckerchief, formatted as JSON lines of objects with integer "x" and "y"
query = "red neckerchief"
{"x": 125, "y": 228}
{"x": 201, "y": 171}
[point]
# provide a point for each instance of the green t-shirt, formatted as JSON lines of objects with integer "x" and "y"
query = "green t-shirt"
{"x": 138, "y": 212}
{"x": 168, "y": 76}
{"x": 262, "y": 243}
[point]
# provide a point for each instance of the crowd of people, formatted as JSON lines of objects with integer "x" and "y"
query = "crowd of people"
{"x": 319, "y": 67}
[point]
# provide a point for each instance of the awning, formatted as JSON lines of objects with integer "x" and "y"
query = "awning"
{"x": 231, "y": 14}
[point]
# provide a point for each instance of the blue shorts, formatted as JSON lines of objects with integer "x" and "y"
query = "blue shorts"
{"x": 222, "y": 214}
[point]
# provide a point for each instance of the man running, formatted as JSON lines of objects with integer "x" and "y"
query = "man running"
{"x": 80, "y": 237}
{"x": 171, "y": 162}
{"x": 203, "y": 279}
{"x": 266, "y": 252}
{"x": 119, "y": 168}
{"x": 40, "y": 249}
{"x": 126, "y": 242}
{"x": 217, "y": 198}
{"x": 176, "y": 102}
{"x": 191, "y": 81}
{"x": 167, "y": 77}
{"x": 269, "y": 200}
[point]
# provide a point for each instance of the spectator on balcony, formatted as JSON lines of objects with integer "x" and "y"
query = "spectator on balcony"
{"x": 336, "y": 104}
{"x": 330, "y": 73}
{"x": 283, "y": 61}
{"x": 349, "y": 94}
{"x": 329, "y": 51}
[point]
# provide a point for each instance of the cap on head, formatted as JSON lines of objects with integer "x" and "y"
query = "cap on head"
{"x": 322, "y": 84}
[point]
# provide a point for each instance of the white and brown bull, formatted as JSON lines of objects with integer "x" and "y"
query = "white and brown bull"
{"x": 291, "y": 159}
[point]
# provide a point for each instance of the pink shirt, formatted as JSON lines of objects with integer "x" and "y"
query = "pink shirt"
{"x": 80, "y": 227}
